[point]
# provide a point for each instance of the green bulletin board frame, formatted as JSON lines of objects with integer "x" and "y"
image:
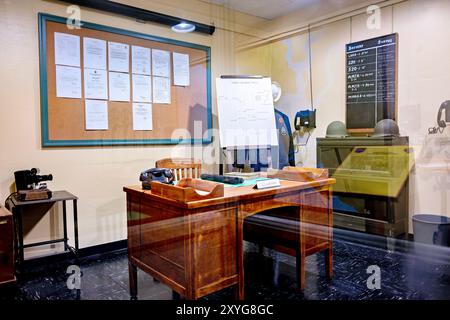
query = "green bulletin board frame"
{"x": 47, "y": 142}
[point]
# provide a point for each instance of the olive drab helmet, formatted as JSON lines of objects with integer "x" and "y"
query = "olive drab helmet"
{"x": 386, "y": 128}
{"x": 336, "y": 129}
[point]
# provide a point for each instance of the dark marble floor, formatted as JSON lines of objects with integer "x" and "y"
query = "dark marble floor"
{"x": 406, "y": 273}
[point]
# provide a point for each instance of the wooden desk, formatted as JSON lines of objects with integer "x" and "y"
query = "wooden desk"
{"x": 196, "y": 248}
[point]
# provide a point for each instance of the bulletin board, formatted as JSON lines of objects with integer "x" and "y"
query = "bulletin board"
{"x": 63, "y": 119}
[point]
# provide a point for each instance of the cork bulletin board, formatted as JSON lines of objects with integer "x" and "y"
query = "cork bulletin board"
{"x": 63, "y": 119}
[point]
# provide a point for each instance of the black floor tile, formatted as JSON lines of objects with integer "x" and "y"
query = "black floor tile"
{"x": 272, "y": 276}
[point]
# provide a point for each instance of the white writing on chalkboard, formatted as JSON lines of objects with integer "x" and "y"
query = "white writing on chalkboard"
{"x": 371, "y": 81}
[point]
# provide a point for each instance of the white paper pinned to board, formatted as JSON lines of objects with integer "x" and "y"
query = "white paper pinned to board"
{"x": 142, "y": 116}
{"x": 180, "y": 69}
{"x": 96, "y": 113}
{"x": 94, "y": 53}
{"x": 118, "y": 56}
{"x": 68, "y": 82}
{"x": 161, "y": 90}
{"x": 119, "y": 86}
{"x": 67, "y": 49}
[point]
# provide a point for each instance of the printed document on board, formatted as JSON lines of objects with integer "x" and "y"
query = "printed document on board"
{"x": 95, "y": 84}
{"x": 68, "y": 82}
{"x": 96, "y": 114}
{"x": 180, "y": 69}
{"x": 94, "y": 53}
{"x": 142, "y": 116}
{"x": 67, "y": 49}
{"x": 119, "y": 86}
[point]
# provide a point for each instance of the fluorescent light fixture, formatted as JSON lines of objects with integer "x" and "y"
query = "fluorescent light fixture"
{"x": 176, "y": 23}
{"x": 183, "y": 27}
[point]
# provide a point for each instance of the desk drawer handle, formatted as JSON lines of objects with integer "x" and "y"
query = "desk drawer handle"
{"x": 3, "y": 221}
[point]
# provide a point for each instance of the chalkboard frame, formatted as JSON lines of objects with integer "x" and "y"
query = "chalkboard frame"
{"x": 46, "y": 141}
{"x": 395, "y": 111}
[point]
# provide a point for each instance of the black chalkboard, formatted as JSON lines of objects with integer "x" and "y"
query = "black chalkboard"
{"x": 371, "y": 81}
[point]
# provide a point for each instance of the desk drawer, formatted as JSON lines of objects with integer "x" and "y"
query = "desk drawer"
{"x": 214, "y": 236}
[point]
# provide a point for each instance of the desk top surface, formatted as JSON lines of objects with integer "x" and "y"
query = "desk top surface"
{"x": 237, "y": 194}
{"x": 56, "y": 196}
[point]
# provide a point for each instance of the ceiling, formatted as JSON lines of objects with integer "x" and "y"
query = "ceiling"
{"x": 271, "y": 9}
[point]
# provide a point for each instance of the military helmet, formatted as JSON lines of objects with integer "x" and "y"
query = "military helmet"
{"x": 336, "y": 129}
{"x": 386, "y": 128}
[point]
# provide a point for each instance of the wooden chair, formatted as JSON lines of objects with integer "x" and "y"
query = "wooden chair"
{"x": 293, "y": 231}
{"x": 181, "y": 167}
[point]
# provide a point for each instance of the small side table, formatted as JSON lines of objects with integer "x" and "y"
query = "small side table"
{"x": 20, "y": 208}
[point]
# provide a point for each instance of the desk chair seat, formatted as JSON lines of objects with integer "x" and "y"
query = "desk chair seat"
{"x": 298, "y": 235}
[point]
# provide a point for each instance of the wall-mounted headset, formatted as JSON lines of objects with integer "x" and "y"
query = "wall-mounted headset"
{"x": 445, "y": 105}
{"x": 442, "y": 124}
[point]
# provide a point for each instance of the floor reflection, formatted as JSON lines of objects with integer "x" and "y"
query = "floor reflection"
{"x": 406, "y": 273}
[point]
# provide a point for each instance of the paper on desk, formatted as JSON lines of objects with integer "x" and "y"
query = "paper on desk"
{"x": 94, "y": 53}
{"x": 161, "y": 63}
{"x": 180, "y": 69}
{"x": 95, "y": 84}
{"x": 142, "y": 88}
{"x": 67, "y": 49}
{"x": 119, "y": 86}
{"x": 140, "y": 60}
{"x": 118, "y": 56}
{"x": 96, "y": 112}
{"x": 68, "y": 82}
{"x": 161, "y": 90}
{"x": 142, "y": 116}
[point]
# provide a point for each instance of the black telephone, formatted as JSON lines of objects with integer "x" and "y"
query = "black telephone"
{"x": 445, "y": 105}
{"x": 442, "y": 124}
{"x": 162, "y": 175}
{"x": 305, "y": 118}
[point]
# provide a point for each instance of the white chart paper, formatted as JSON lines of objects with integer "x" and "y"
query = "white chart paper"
{"x": 142, "y": 116}
{"x": 118, "y": 56}
{"x": 68, "y": 82}
{"x": 161, "y": 63}
{"x": 94, "y": 53}
{"x": 161, "y": 90}
{"x": 246, "y": 112}
{"x": 95, "y": 84}
{"x": 142, "y": 88}
{"x": 180, "y": 69}
{"x": 140, "y": 60}
{"x": 67, "y": 49}
{"x": 96, "y": 112}
{"x": 119, "y": 86}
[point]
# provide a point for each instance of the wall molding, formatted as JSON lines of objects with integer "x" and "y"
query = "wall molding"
{"x": 315, "y": 24}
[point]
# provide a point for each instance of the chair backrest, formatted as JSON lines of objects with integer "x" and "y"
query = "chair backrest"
{"x": 181, "y": 167}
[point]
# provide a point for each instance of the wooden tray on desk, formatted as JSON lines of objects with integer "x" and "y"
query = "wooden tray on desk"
{"x": 298, "y": 174}
{"x": 188, "y": 190}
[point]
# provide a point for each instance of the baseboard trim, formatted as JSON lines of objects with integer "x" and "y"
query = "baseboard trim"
{"x": 68, "y": 257}
{"x": 103, "y": 248}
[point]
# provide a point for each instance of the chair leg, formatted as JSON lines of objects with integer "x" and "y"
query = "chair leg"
{"x": 329, "y": 263}
{"x": 276, "y": 270}
{"x": 300, "y": 262}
